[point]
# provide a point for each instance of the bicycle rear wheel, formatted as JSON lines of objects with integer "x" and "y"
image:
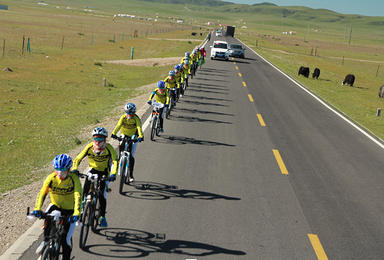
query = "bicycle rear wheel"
{"x": 123, "y": 173}
{"x": 86, "y": 220}
{"x": 95, "y": 213}
{"x": 153, "y": 127}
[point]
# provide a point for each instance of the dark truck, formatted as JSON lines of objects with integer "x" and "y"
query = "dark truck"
{"x": 230, "y": 31}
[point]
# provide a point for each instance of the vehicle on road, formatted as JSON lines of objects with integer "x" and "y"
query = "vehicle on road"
{"x": 230, "y": 31}
{"x": 236, "y": 50}
{"x": 219, "y": 33}
{"x": 219, "y": 49}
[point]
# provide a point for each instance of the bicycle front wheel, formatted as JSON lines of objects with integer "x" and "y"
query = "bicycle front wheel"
{"x": 168, "y": 111}
{"x": 157, "y": 125}
{"x": 48, "y": 253}
{"x": 95, "y": 206}
{"x": 86, "y": 220}
{"x": 123, "y": 173}
{"x": 153, "y": 128}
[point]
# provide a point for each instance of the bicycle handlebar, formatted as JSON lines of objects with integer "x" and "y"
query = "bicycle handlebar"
{"x": 126, "y": 138}
{"x": 49, "y": 215}
{"x": 92, "y": 177}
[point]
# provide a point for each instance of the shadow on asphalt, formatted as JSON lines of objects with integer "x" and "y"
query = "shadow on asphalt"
{"x": 158, "y": 191}
{"x": 179, "y": 140}
{"x": 131, "y": 243}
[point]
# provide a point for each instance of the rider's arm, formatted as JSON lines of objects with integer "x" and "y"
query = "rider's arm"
{"x": 78, "y": 195}
{"x": 167, "y": 93}
{"x": 151, "y": 96}
{"x": 138, "y": 125}
{"x": 114, "y": 159}
{"x": 118, "y": 126}
{"x": 80, "y": 157}
{"x": 43, "y": 192}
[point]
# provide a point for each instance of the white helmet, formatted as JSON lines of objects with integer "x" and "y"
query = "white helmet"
{"x": 100, "y": 131}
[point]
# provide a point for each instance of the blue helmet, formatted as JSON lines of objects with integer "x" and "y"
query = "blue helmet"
{"x": 177, "y": 67}
{"x": 130, "y": 108}
{"x": 100, "y": 131}
{"x": 186, "y": 62}
{"x": 172, "y": 73}
{"x": 161, "y": 84}
{"x": 62, "y": 161}
{"x": 187, "y": 54}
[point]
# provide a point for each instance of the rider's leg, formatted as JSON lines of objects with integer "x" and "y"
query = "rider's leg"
{"x": 132, "y": 160}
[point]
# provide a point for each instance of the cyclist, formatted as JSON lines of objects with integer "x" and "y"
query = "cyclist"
{"x": 162, "y": 96}
{"x": 186, "y": 57}
{"x": 65, "y": 192}
{"x": 102, "y": 160}
{"x": 187, "y": 71}
{"x": 193, "y": 60}
{"x": 129, "y": 125}
{"x": 180, "y": 79}
{"x": 172, "y": 82}
{"x": 203, "y": 53}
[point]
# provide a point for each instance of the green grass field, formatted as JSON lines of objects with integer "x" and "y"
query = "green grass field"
{"x": 55, "y": 89}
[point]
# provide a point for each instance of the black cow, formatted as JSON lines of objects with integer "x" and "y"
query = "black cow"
{"x": 381, "y": 92}
{"x": 304, "y": 71}
{"x": 349, "y": 80}
{"x": 316, "y": 73}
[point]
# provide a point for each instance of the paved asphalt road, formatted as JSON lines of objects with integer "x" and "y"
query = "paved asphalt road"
{"x": 250, "y": 166}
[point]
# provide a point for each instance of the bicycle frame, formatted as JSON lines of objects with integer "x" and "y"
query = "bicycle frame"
{"x": 53, "y": 249}
{"x": 155, "y": 129}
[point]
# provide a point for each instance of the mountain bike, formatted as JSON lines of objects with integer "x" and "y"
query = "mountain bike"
{"x": 155, "y": 121}
{"x": 172, "y": 101}
{"x": 53, "y": 249}
{"x": 124, "y": 160}
{"x": 91, "y": 206}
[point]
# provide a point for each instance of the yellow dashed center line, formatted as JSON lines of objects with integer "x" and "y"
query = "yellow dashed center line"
{"x": 244, "y": 84}
{"x": 240, "y": 74}
{"x": 250, "y": 98}
{"x": 261, "y": 120}
{"x": 319, "y": 250}
{"x": 237, "y": 68}
{"x": 283, "y": 169}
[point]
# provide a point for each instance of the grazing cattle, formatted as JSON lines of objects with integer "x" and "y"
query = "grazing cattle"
{"x": 193, "y": 34}
{"x": 316, "y": 73}
{"x": 349, "y": 80}
{"x": 304, "y": 71}
{"x": 381, "y": 92}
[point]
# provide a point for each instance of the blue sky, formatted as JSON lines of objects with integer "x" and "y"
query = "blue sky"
{"x": 362, "y": 7}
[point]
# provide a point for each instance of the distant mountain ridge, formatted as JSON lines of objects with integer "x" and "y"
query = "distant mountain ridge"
{"x": 266, "y": 8}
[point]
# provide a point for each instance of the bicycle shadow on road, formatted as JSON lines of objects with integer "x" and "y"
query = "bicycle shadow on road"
{"x": 131, "y": 243}
{"x": 180, "y": 140}
{"x": 157, "y": 191}
{"x": 195, "y": 111}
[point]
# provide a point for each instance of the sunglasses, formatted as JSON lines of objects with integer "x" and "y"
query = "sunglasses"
{"x": 61, "y": 169}
{"x": 130, "y": 113}
{"x": 99, "y": 139}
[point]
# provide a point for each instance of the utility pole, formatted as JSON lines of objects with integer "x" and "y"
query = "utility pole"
{"x": 350, "y": 35}
{"x": 345, "y": 32}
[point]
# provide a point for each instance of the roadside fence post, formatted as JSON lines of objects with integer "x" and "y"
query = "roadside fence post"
{"x": 132, "y": 50}
{"x": 104, "y": 82}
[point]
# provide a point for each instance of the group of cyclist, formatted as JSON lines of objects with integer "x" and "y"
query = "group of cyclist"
{"x": 177, "y": 80}
{"x": 66, "y": 193}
